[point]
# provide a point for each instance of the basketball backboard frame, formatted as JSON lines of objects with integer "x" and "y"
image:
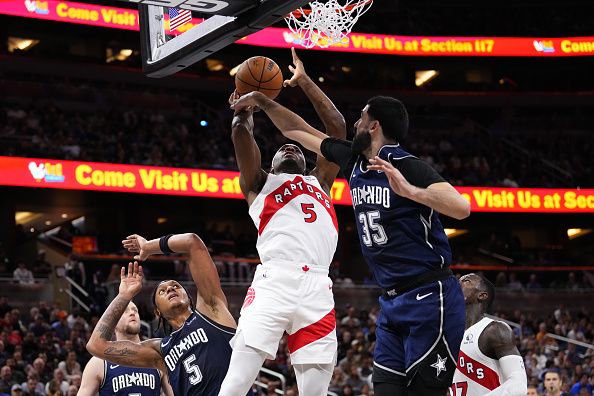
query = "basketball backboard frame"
{"x": 162, "y": 58}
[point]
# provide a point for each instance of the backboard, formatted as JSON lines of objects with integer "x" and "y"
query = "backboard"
{"x": 217, "y": 23}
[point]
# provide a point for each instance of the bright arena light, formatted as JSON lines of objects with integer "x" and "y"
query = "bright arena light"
{"x": 424, "y": 76}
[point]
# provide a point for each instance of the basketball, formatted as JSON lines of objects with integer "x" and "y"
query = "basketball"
{"x": 259, "y": 73}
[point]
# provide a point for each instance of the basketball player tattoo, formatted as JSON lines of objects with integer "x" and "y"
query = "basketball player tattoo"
{"x": 125, "y": 354}
{"x": 109, "y": 320}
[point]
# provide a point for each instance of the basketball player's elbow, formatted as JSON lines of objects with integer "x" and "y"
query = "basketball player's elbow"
{"x": 461, "y": 210}
{"x": 92, "y": 346}
{"x": 337, "y": 127}
{"x": 195, "y": 242}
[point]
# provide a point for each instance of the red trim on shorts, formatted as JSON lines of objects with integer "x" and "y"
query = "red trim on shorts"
{"x": 477, "y": 372}
{"x": 288, "y": 191}
{"x": 313, "y": 332}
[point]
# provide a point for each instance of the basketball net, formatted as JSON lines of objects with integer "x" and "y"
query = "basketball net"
{"x": 326, "y": 23}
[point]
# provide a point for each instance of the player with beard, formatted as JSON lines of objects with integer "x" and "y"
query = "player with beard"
{"x": 196, "y": 353}
{"x": 297, "y": 235}
{"x": 106, "y": 378}
{"x": 397, "y": 199}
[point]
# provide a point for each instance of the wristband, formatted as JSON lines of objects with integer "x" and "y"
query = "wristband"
{"x": 164, "y": 244}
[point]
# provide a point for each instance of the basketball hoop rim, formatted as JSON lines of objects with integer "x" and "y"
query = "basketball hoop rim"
{"x": 298, "y": 13}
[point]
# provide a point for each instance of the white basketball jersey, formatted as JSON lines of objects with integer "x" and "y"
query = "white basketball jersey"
{"x": 476, "y": 374}
{"x": 295, "y": 220}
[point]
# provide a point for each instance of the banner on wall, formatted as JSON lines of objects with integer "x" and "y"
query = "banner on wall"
{"x": 97, "y": 176}
{"x": 123, "y": 18}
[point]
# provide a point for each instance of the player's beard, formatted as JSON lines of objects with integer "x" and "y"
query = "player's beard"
{"x": 361, "y": 142}
{"x": 133, "y": 329}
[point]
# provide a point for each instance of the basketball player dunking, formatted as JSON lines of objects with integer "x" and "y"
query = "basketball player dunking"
{"x": 297, "y": 236}
{"x": 397, "y": 199}
{"x": 489, "y": 362}
{"x": 108, "y": 379}
{"x": 196, "y": 353}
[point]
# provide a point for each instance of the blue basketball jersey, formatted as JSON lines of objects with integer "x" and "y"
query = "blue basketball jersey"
{"x": 197, "y": 356}
{"x": 125, "y": 381}
{"x": 400, "y": 238}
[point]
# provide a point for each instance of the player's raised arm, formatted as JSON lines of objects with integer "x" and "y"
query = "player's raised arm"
{"x": 440, "y": 196}
{"x": 127, "y": 353}
{"x": 211, "y": 300}
{"x": 332, "y": 119}
{"x": 290, "y": 124}
{"x": 247, "y": 153}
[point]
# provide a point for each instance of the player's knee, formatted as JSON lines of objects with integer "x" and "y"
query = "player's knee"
{"x": 243, "y": 368}
{"x": 313, "y": 379}
{"x": 234, "y": 384}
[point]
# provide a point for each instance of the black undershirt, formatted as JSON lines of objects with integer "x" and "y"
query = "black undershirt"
{"x": 416, "y": 171}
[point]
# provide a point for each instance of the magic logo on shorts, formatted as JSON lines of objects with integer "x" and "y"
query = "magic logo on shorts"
{"x": 47, "y": 171}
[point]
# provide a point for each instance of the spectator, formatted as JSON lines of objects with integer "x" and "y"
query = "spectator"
{"x": 533, "y": 391}
{"x": 580, "y": 385}
{"x": 514, "y": 283}
{"x": 72, "y": 390}
{"x": 16, "y": 390}
{"x": 533, "y": 283}
{"x": 4, "y": 306}
{"x": 32, "y": 387}
{"x": 54, "y": 390}
{"x": 365, "y": 391}
{"x": 23, "y": 275}
{"x": 6, "y": 379}
{"x": 337, "y": 381}
{"x": 39, "y": 327}
{"x": 347, "y": 390}
{"x": 351, "y": 318}
{"x": 70, "y": 367}
{"x": 57, "y": 383}
{"x": 60, "y": 326}
{"x": 41, "y": 369}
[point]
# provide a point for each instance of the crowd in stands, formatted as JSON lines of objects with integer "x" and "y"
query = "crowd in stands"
{"x": 462, "y": 150}
{"x": 42, "y": 350}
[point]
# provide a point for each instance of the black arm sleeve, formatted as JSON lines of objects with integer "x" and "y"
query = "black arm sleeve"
{"x": 338, "y": 151}
{"x": 417, "y": 172}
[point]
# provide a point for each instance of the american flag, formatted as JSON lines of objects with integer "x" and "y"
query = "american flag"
{"x": 178, "y": 17}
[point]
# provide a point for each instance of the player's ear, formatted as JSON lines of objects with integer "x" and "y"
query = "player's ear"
{"x": 483, "y": 296}
{"x": 375, "y": 126}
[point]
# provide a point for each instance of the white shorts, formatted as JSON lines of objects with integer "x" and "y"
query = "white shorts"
{"x": 298, "y": 300}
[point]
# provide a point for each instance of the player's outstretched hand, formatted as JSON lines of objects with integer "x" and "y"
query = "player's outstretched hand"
{"x": 297, "y": 69}
{"x": 249, "y": 100}
{"x": 131, "y": 284}
{"x": 397, "y": 181}
{"x": 135, "y": 244}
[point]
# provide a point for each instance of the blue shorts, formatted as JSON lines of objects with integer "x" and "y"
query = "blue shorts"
{"x": 419, "y": 332}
